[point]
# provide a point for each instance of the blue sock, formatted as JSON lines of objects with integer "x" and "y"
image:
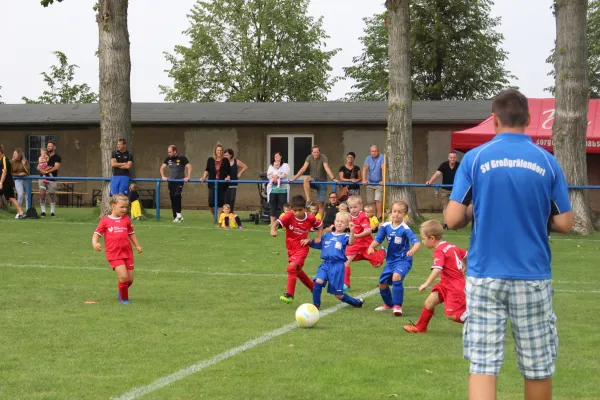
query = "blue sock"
{"x": 317, "y": 289}
{"x": 350, "y": 300}
{"x": 398, "y": 292}
{"x": 386, "y": 295}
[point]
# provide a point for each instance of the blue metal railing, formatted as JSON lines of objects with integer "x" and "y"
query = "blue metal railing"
{"x": 157, "y": 182}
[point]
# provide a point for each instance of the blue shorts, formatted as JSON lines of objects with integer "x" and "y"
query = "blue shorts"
{"x": 119, "y": 185}
{"x": 398, "y": 267}
{"x": 321, "y": 191}
{"x": 528, "y": 304}
{"x": 332, "y": 272}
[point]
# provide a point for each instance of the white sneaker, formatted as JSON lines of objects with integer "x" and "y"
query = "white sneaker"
{"x": 17, "y": 216}
{"x": 384, "y": 307}
{"x": 177, "y": 220}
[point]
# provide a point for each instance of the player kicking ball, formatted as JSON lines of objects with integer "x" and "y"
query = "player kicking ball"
{"x": 118, "y": 232}
{"x": 331, "y": 271}
{"x": 447, "y": 263}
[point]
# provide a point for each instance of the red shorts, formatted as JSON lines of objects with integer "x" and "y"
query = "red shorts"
{"x": 455, "y": 302}
{"x": 298, "y": 255}
{"x": 127, "y": 262}
{"x": 361, "y": 253}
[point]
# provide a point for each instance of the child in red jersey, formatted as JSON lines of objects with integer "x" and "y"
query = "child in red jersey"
{"x": 362, "y": 239}
{"x": 118, "y": 231}
{"x": 297, "y": 225}
{"x": 447, "y": 262}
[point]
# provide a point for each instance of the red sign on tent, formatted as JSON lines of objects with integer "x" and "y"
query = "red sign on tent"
{"x": 540, "y": 128}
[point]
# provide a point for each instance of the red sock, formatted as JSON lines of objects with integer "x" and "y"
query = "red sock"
{"x": 306, "y": 280}
{"x": 424, "y": 319}
{"x": 124, "y": 290}
{"x": 347, "y": 276}
{"x": 129, "y": 283}
{"x": 291, "y": 282}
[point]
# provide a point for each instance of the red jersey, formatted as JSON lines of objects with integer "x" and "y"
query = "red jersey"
{"x": 297, "y": 229}
{"x": 448, "y": 258}
{"x": 116, "y": 233}
{"x": 361, "y": 222}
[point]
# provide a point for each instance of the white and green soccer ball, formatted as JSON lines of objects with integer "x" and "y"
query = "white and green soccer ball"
{"x": 307, "y": 315}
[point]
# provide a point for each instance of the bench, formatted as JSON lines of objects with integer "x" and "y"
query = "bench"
{"x": 147, "y": 197}
{"x": 63, "y": 197}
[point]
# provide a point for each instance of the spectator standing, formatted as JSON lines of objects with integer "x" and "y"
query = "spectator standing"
{"x": 179, "y": 168}
{"x": 20, "y": 167}
{"x": 319, "y": 171}
{"x": 121, "y": 162}
{"x": 350, "y": 173}
{"x": 448, "y": 171}
{"x": 277, "y": 194}
{"x": 517, "y": 188}
{"x": 7, "y": 185}
{"x": 54, "y": 163}
{"x": 217, "y": 168}
{"x": 373, "y": 177}
{"x": 236, "y": 169}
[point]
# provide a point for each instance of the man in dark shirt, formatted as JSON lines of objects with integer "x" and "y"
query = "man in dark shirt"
{"x": 7, "y": 185}
{"x": 121, "y": 162}
{"x": 179, "y": 168}
{"x": 448, "y": 170}
{"x": 50, "y": 187}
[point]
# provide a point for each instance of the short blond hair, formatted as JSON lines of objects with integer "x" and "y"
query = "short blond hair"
{"x": 344, "y": 215}
{"x": 355, "y": 200}
{"x": 114, "y": 199}
{"x": 343, "y": 206}
{"x": 432, "y": 228}
{"x": 401, "y": 203}
{"x": 368, "y": 207}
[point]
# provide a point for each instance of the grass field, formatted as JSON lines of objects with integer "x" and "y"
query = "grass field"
{"x": 201, "y": 295}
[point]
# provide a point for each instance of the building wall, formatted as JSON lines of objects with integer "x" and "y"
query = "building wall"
{"x": 79, "y": 149}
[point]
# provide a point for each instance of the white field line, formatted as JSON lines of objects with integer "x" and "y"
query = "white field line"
{"x": 195, "y": 368}
{"x": 265, "y": 230}
{"x": 257, "y": 274}
{"x": 157, "y": 271}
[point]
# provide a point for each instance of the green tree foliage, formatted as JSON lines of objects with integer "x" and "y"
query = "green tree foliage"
{"x": 455, "y": 53}
{"x": 251, "y": 50}
{"x": 593, "y": 42}
{"x": 61, "y": 89}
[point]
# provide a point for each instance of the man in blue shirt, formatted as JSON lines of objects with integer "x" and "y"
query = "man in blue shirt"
{"x": 373, "y": 176}
{"x": 517, "y": 189}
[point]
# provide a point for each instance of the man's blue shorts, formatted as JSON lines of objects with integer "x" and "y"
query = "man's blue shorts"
{"x": 399, "y": 267}
{"x": 119, "y": 185}
{"x": 332, "y": 272}
{"x": 321, "y": 190}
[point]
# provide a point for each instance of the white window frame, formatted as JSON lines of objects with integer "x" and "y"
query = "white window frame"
{"x": 290, "y": 161}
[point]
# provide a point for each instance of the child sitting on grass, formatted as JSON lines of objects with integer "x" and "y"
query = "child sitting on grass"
{"x": 227, "y": 219}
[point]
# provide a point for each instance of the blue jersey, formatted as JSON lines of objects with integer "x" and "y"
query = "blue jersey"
{"x": 515, "y": 186}
{"x": 400, "y": 240}
{"x": 333, "y": 246}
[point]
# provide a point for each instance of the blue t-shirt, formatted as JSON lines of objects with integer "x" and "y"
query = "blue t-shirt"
{"x": 514, "y": 186}
{"x": 400, "y": 240}
{"x": 332, "y": 246}
{"x": 374, "y": 174}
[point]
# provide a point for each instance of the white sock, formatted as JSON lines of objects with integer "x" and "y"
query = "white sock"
{"x": 43, "y": 207}
{"x": 179, "y": 215}
{"x": 52, "y": 207}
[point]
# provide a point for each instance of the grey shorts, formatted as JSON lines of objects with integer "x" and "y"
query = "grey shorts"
{"x": 49, "y": 187}
{"x": 374, "y": 193}
{"x": 528, "y": 304}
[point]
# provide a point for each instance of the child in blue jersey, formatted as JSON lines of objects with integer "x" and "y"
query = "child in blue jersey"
{"x": 333, "y": 252}
{"x": 399, "y": 257}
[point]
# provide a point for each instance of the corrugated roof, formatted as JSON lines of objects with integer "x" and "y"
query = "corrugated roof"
{"x": 368, "y": 113}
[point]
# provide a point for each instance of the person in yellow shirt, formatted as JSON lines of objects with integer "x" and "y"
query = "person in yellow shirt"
{"x": 227, "y": 219}
{"x": 372, "y": 218}
{"x": 287, "y": 207}
{"x": 134, "y": 202}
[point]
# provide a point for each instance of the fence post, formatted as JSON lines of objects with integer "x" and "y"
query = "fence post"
{"x": 157, "y": 199}
{"x": 216, "y": 200}
{"x": 29, "y": 194}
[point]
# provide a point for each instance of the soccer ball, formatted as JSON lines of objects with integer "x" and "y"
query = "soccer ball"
{"x": 307, "y": 315}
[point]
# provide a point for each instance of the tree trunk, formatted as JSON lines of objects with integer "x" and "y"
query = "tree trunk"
{"x": 115, "y": 93}
{"x": 399, "y": 146}
{"x": 570, "y": 121}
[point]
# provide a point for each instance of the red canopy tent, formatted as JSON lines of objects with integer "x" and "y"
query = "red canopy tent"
{"x": 540, "y": 128}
